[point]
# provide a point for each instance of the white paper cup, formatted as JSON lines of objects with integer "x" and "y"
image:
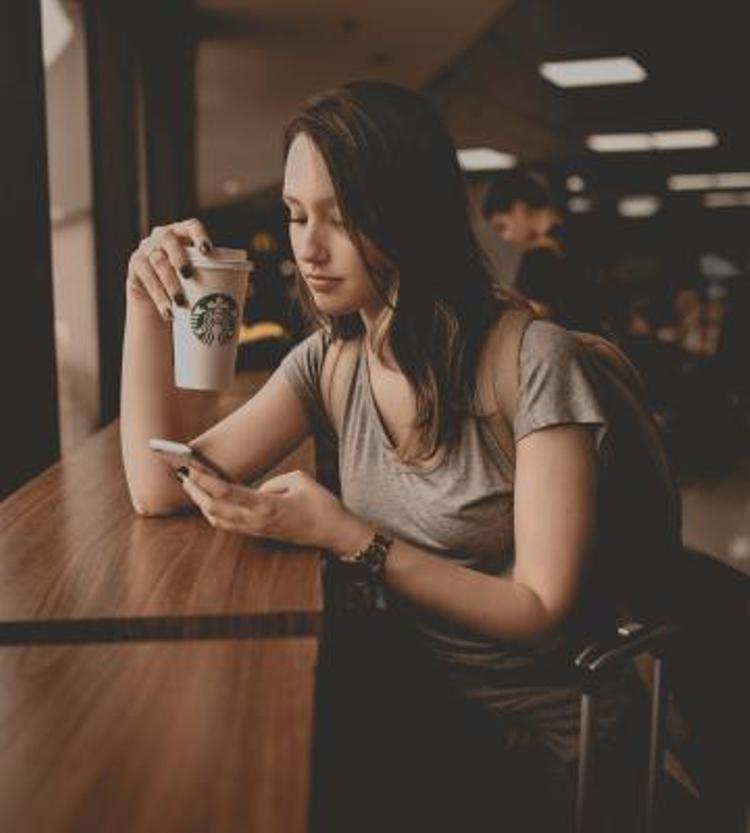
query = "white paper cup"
{"x": 205, "y": 334}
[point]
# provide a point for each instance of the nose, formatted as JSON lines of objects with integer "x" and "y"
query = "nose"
{"x": 311, "y": 244}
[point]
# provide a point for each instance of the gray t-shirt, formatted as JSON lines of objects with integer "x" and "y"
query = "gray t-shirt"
{"x": 462, "y": 509}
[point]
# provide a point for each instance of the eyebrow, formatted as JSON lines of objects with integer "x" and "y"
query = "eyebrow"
{"x": 323, "y": 201}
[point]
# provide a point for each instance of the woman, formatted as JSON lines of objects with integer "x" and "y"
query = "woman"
{"x": 490, "y": 567}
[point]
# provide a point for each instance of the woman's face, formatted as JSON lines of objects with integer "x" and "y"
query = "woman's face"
{"x": 330, "y": 263}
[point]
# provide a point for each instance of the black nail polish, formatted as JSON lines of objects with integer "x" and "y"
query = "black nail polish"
{"x": 205, "y": 247}
{"x": 180, "y": 299}
{"x": 181, "y": 473}
{"x": 186, "y": 271}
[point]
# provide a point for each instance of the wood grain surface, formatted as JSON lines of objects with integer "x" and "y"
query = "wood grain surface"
{"x": 74, "y": 552}
{"x": 181, "y": 737}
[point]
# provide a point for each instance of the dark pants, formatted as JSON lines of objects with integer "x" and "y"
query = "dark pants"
{"x": 397, "y": 750}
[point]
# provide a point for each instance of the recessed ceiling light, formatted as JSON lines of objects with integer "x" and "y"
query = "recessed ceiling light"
{"x": 659, "y": 140}
{"x": 595, "y": 72}
{"x": 485, "y": 159}
{"x": 642, "y": 205}
{"x": 575, "y": 183}
{"x": 579, "y": 205}
{"x": 704, "y": 182}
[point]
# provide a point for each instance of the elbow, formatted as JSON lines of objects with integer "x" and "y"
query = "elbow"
{"x": 149, "y": 502}
{"x": 145, "y": 510}
{"x": 543, "y": 627}
{"x": 153, "y": 508}
{"x": 543, "y": 617}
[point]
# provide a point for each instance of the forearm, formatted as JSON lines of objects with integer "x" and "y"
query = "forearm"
{"x": 151, "y": 407}
{"x": 492, "y": 606}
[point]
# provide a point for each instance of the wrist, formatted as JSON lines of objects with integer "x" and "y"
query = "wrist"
{"x": 351, "y": 536}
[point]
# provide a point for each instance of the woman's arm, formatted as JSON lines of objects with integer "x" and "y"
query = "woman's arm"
{"x": 555, "y": 509}
{"x": 245, "y": 444}
{"x": 554, "y": 522}
{"x": 150, "y": 407}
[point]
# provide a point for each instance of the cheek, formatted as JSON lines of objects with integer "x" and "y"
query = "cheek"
{"x": 293, "y": 239}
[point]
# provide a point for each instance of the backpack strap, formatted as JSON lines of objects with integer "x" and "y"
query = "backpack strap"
{"x": 498, "y": 377}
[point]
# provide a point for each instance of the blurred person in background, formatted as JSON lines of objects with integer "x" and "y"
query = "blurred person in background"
{"x": 554, "y": 274}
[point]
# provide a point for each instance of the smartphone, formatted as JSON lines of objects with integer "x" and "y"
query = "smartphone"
{"x": 180, "y": 454}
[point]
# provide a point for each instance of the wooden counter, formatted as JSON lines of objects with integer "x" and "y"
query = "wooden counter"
{"x": 77, "y": 562}
{"x": 181, "y": 737}
{"x": 157, "y": 674}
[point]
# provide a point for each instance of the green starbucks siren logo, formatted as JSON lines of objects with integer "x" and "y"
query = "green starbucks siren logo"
{"x": 214, "y": 318}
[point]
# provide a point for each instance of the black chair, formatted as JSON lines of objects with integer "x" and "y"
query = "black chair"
{"x": 696, "y": 647}
{"x": 699, "y": 653}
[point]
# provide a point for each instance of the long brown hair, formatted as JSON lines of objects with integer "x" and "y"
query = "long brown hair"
{"x": 394, "y": 170}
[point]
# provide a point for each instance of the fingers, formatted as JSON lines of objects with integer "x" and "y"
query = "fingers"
{"x": 226, "y": 510}
{"x": 143, "y": 278}
{"x": 170, "y": 283}
{"x": 192, "y": 232}
{"x": 282, "y": 482}
{"x": 174, "y": 249}
{"x": 213, "y": 486}
{"x": 154, "y": 266}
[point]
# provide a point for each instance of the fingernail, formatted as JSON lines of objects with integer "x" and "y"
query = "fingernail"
{"x": 205, "y": 247}
{"x": 168, "y": 314}
{"x": 186, "y": 271}
{"x": 181, "y": 473}
{"x": 180, "y": 300}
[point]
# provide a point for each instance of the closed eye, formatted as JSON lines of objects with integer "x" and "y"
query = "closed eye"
{"x": 335, "y": 222}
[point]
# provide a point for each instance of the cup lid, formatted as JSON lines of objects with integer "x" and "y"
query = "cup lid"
{"x": 220, "y": 258}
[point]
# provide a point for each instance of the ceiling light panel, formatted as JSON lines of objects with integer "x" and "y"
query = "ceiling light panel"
{"x": 659, "y": 140}
{"x": 705, "y": 182}
{"x": 726, "y": 199}
{"x": 618, "y": 142}
{"x": 593, "y": 73}
{"x": 485, "y": 159}
{"x": 680, "y": 139}
{"x": 738, "y": 179}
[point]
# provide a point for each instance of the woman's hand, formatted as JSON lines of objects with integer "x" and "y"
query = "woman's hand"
{"x": 153, "y": 266}
{"x": 291, "y": 507}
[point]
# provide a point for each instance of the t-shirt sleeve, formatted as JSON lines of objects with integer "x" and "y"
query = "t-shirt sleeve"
{"x": 555, "y": 386}
{"x": 302, "y": 367}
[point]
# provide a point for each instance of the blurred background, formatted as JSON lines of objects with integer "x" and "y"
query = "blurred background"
{"x": 123, "y": 115}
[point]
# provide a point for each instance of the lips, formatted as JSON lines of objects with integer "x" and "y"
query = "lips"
{"x": 321, "y": 283}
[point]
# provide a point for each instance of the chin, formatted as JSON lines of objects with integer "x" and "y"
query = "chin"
{"x": 338, "y": 310}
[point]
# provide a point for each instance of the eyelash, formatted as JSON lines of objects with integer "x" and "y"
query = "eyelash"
{"x": 300, "y": 220}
